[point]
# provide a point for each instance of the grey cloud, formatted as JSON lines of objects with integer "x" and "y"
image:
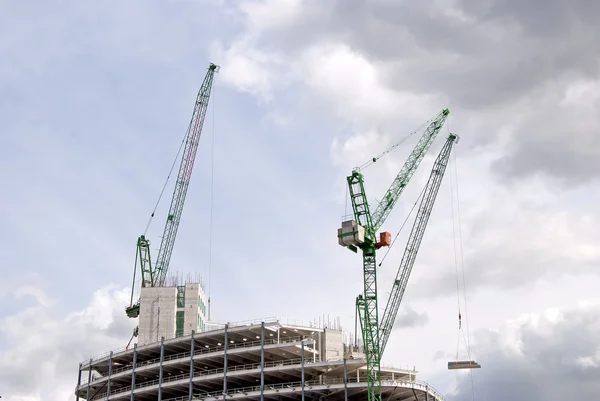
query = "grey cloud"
{"x": 485, "y": 63}
{"x": 560, "y": 141}
{"x": 528, "y": 360}
{"x": 538, "y": 17}
{"x": 411, "y": 318}
{"x": 497, "y": 64}
{"x": 499, "y": 52}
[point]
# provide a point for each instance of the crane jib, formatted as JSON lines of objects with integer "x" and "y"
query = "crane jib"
{"x": 155, "y": 274}
{"x": 414, "y": 241}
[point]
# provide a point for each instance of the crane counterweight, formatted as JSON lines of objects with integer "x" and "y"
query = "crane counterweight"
{"x": 351, "y": 233}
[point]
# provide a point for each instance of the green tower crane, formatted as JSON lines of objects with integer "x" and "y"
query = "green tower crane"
{"x": 154, "y": 275}
{"x": 361, "y": 233}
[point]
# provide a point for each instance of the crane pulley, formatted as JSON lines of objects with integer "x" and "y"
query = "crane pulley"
{"x": 154, "y": 275}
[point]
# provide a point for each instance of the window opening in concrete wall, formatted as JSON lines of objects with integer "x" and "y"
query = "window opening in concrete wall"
{"x": 180, "y": 296}
{"x": 180, "y": 317}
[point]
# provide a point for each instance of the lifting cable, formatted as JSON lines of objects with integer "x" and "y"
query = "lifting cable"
{"x": 466, "y": 337}
{"x": 403, "y": 224}
{"x": 166, "y": 182}
{"x": 212, "y": 186}
{"x": 394, "y": 146}
{"x": 456, "y": 265}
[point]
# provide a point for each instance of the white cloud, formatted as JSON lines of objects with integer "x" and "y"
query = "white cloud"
{"x": 247, "y": 68}
{"x": 271, "y": 14}
{"x": 42, "y": 350}
{"x": 40, "y": 297}
{"x": 352, "y": 87}
{"x": 586, "y": 362}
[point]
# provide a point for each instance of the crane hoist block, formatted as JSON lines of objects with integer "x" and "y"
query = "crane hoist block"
{"x": 351, "y": 233}
{"x": 385, "y": 239}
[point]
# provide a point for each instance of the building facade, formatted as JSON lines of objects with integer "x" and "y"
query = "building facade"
{"x": 254, "y": 361}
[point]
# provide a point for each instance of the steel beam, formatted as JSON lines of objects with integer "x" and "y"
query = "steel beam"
{"x": 262, "y": 361}
{"x": 160, "y": 367}
{"x": 192, "y": 341}
{"x": 302, "y": 342}
{"x": 110, "y": 363}
{"x": 225, "y": 364}
{"x": 89, "y": 380}
{"x": 133, "y": 371}
{"x": 345, "y": 380}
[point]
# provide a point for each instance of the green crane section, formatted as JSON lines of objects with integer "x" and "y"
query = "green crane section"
{"x": 154, "y": 275}
{"x": 414, "y": 241}
{"x": 410, "y": 166}
{"x": 361, "y": 233}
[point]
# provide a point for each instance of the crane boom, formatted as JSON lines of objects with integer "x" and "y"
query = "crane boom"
{"x": 414, "y": 241}
{"x": 410, "y": 166}
{"x": 183, "y": 178}
{"x": 154, "y": 275}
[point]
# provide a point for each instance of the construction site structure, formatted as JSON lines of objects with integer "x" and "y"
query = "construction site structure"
{"x": 259, "y": 360}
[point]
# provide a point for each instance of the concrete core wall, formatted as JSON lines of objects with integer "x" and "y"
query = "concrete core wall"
{"x": 333, "y": 345}
{"x": 159, "y": 309}
{"x": 157, "y": 314}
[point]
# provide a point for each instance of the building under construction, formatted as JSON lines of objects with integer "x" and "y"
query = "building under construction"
{"x": 251, "y": 360}
{"x": 180, "y": 356}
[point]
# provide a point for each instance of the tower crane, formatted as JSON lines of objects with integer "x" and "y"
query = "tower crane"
{"x": 154, "y": 275}
{"x": 361, "y": 233}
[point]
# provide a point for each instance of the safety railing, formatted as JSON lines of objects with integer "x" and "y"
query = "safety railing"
{"x": 207, "y": 372}
{"x": 297, "y": 385}
{"x": 216, "y": 327}
{"x": 204, "y": 350}
{"x": 199, "y": 351}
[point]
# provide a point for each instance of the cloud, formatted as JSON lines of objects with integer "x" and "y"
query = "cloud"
{"x": 326, "y": 86}
{"x": 526, "y": 357}
{"x": 409, "y": 317}
{"x": 38, "y": 343}
{"x": 542, "y": 239}
{"x": 496, "y": 64}
{"x": 248, "y": 68}
{"x": 558, "y": 138}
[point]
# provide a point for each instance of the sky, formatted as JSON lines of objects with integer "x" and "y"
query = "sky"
{"x": 95, "y": 98}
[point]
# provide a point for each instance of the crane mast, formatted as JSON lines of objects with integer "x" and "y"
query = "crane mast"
{"x": 361, "y": 233}
{"x": 155, "y": 275}
{"x": 414, "y": 241}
